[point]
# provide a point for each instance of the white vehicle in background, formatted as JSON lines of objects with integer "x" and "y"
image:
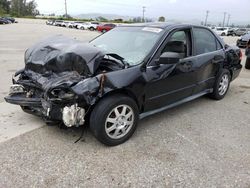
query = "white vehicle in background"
{"x": 58, "y": 23}
{"x": 67, "y": 24}
{"x": 71, "y": 25}
{"x": 222, "y": 31}
{"x": 75, "y": 25}
{"x": 64, "y": 24}
{"x": 87, "y": 25}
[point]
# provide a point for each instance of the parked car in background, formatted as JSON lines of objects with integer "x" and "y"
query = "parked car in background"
{"x": 241, "y": 31}
{"x": 4, "y": 21}
{"x": 50, "y": 22}
{"x": 242, "y": 42}
{"x": 71, "y": 25}
{"x": 122, "y": 76}
{"x": 87, "y": 25}
{"x": 12, "y": 20}
{"x": 105, "y": 27}
{"x": 83, "y": 26}
{"x": 67, "y": 24}
{"x": 232, "y": 32}
{"x": 94, "y": 26}
{"x": 58, "y": 23}
{"x": 75, "y": 25}
{"x": 221, "y": 31}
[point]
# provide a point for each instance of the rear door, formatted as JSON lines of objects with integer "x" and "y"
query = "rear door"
{"x": 209, "y": 54}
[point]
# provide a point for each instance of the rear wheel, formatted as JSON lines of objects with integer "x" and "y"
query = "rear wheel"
{"x": 91, "y": 29}
{"x": 104, "y": 31}
{"x": 221, "y": 85}
{"x": 114, "y": 119}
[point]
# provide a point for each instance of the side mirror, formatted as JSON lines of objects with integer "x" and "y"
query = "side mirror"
{"x": 169, "y": 58}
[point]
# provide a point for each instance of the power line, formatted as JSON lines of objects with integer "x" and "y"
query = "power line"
{"x": 207, "y": 12}
{"x": 224, "y": 19}
{"x": 143, "y": 13}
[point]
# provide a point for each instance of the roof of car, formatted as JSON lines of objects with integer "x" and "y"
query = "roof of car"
{"x": 162, "y": 25}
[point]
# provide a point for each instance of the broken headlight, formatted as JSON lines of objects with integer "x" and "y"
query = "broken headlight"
{"x": 64, "y": 94}
{"x": 16, "y": 89}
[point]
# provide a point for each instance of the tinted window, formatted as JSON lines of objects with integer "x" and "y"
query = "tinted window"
{"x": 204, "y": 41}
{"x": 177, "y": 43}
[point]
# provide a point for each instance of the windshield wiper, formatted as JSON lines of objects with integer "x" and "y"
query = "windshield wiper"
{"x": 121, "y": 59}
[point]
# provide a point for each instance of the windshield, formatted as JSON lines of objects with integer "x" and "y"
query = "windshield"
{"x": 131, "y": 43}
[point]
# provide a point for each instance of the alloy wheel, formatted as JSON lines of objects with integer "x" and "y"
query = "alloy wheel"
{"x": 119, "y": 121}
{"x": 224, "y": 83}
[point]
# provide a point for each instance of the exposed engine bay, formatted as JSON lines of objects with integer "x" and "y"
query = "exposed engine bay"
{"x": 62, "y": 78}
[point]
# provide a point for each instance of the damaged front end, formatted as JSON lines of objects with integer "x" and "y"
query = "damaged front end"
{"x": 61, "y": 80}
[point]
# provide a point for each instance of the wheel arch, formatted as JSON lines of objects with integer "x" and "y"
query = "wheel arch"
{"x": 122, "y": 91}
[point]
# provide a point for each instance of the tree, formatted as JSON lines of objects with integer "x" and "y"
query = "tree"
{"x": 30, "y": 8}
{"x": 23, "y": 8}
{"x": 4, "y": 7}
{"x": 161, "y": 19}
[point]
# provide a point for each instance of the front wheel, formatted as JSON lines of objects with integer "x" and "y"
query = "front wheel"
{"x": 221, "y": 85}
{"x": 114, "y": 119}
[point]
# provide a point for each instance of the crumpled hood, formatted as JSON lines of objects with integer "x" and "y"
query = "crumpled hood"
{"x": 59, "y": 54}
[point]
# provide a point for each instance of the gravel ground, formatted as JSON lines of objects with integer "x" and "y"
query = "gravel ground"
{"x": 203, "y": 143}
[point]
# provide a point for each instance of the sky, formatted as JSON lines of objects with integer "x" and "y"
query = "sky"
{"x": 183, "y": 10}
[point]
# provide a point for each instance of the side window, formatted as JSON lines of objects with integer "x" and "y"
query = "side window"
{"x": 218, "y": 45}
{"x": 178, "y": 43}
{"x": 204, "y": 41}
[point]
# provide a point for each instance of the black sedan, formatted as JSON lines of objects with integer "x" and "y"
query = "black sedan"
{"x": 122, "y": 76}
{"x": 4, "y": 21}
{"x": 242, "y": 42}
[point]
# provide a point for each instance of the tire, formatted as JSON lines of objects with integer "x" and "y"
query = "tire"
{"x": 223, "y": 34}
{"x": 247, "y": 65}
{"x": 82, "y": 28}
{"x": 104, "y": 31}
{"x": 221, "y": 85}
{"x": 121, "y": 129}
{"x": 91, "y": 29}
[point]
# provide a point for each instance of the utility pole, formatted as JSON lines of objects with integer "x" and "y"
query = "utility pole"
{"x": 66, "y": 10}
{"x": 224, "y": 19}
{"x": 228, "y": 18}
{"x": 143, "y": 13}
{"x": 207, "y": 12}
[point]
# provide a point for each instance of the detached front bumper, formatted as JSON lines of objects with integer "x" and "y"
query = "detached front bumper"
{"x": 23, "y": 101}
{"x": 70, "y": 115}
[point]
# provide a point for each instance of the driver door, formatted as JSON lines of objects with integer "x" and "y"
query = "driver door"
{"x": 169, "y": 83}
